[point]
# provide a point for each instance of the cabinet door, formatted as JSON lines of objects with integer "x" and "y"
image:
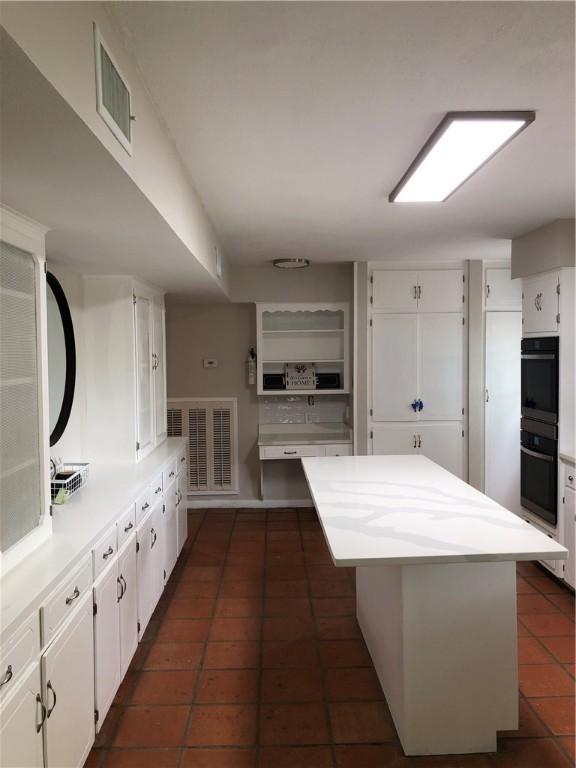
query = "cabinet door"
{"x": 394, "y": 367}
{"x": 441, "y": 366}
{"x": 170, "y": 531}
{"x": 145, "y": 569}
{"x": 394, "y": 439}
{"x": 20, "y": 716}
{"x": 68, "y": 691}
{"x": 502, "y": 409}
{"x": 501, "y": 291}
{"x": 394, "y": 291}
{"x": 182, "y": 512}
{"x": 144, "y": 382}
{"x": 540, "y": 302}
{"x": 128, "y": 604}
{"x": 106, "y": 640}
{"x": 440, "y": 290}
{"x": 444, "y": 444}
{"x": 570, "y": 536}
{"x": 159, "y": 367}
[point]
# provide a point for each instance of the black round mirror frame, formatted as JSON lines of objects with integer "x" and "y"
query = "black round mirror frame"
{"x": 70, "y": 345}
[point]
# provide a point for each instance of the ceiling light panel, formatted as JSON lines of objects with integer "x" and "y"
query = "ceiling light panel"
{"x": 460, "y": 145}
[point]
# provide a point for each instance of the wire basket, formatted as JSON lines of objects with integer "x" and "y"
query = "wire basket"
{"x": 71, "y": 478}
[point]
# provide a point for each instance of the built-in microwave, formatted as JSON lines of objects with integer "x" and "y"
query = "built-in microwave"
{"x": 539, "y": 383}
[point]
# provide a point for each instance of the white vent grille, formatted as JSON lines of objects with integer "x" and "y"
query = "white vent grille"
{"x": 113, "y": 94}
{"x": 210, "y": 428}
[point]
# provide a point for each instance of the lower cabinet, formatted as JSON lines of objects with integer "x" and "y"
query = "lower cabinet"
{"x": 170, "y": 530}
{"x": 442, "y": 443}
{"x": 68, "y": 691}
{"x": 150, "y": 566}
{"x": 182, "y": 508}
{"x": 106, "y": 639}
{"x": 128, "y": 604}
{"x": 21, "y": 719}
{"x": 570, "y": 535}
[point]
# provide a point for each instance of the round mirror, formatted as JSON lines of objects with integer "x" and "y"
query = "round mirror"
{"x": 61, "y": 358}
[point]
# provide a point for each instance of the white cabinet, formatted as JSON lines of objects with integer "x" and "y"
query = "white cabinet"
{"x": 540, "y": 303}
{"x": 150, "y": 566}
{"x": 128, "y": 604}
{"x": 106, "y": 639}
{"x": 442, "y": 443}
{"x": 144, "y": 380}
{"x": 390, "y": 439}
{"x": 68, "y": 691}
{"x": 417, "y": 367}
{"x": 21, "y": 719}
{"x": 182, "y": 509}
{"x": 501, "y": 292}
{"x": 432, "y": 290}
{"x": 159, "y": 368}
{"x": 569, "y": 504}
{"x": 170, "y": 530}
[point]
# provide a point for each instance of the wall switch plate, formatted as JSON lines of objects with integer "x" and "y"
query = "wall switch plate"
{"x": 210, "y": 362}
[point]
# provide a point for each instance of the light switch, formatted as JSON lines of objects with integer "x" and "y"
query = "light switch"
{"x": 210, "y": 362}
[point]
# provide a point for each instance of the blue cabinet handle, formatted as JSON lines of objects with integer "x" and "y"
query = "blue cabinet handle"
{"x": 420, "y": 405}
{"x": 414, "y": 405}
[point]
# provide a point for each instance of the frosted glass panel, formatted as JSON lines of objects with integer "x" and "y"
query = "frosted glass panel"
{"x": 20, "y": 470}
{"x": 144, "y": 383}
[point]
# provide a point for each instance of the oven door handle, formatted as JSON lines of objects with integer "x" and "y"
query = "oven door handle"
{"x": 537, "y": 455}
{"x": 539, "y": 356}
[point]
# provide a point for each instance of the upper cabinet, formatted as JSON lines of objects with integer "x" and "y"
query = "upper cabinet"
{"x": 541, "y": 303}
{"x": 125, "y": 369}
{"x": 501, "y": 292}
{"x": 432, "y": 290}
{"x": 302, "y": 349}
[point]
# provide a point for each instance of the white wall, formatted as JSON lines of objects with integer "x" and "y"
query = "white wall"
{"x": 319, "y": 282}
{"x": 59, "y": 39}
{"x": 545, "y": 248}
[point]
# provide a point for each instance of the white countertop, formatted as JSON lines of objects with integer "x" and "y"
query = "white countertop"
{"x": 379, "y": 510}
{"x": 76, "y": 527}
{"x": 304, "y": 434}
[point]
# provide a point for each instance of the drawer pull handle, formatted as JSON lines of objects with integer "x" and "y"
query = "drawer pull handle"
{"x": 128, "y": 527}
{"x": 70, "y": 600}
{"x": 145, "y": 506}
{"x": 50, "y": 688}
{"x": 183, "y": 459}
{"x": 158, "y": 490}
{"x": 571, "y": 478}
{"x": 155, "y": 536}
{"x": 119, "y": 596}
{"x": 109, "y": 551}
{"x": 290, "y": 453}
{"x": 8, "y": 675}
{"x": 171, "y": 474}
{"x": 124, "y": 585}
{"x": 43, "y": 713}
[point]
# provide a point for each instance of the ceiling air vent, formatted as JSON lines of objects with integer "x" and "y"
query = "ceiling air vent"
{"x": 113, "y": 100}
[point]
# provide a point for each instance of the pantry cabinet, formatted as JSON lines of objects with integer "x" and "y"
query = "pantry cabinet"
{"x": 433, "y": 290}
{"x": 21, "y": 718}
{"x": 501, "y": 291}
{"x": 540, "y": 303}
{"x": 442, "y": 443}
{"x": 68, "y": 691}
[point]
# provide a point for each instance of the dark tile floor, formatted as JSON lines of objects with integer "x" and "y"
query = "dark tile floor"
{"x": 253, "y": 659}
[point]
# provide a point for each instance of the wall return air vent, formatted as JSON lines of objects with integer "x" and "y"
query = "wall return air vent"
{"x": 113, "y": 99}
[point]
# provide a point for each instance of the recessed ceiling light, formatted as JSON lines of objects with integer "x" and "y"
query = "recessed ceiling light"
{"x": 291, "y": 263}
{"x": 460, "y": 145}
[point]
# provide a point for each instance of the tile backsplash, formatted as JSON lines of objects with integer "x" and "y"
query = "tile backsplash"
{"x": 303, "y": 409}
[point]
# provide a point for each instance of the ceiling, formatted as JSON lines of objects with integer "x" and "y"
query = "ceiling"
{"x": 56, "y": 171}
{"x": 296, "y": 119}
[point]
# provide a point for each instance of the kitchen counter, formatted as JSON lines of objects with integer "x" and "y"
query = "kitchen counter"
{"x": 304, "y": 434}
{"x": 435, "y": 593}
{"x": 568, "y": 456}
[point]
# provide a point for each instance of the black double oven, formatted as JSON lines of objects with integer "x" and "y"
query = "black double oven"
{"x": 539, "y": 428}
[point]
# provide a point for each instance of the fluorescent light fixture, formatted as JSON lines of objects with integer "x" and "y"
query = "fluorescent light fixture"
{"x": 460, "y": 145}
{"x": 291, "y": 263}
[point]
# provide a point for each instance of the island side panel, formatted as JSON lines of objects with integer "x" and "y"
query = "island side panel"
{"x": 443, "y": 642}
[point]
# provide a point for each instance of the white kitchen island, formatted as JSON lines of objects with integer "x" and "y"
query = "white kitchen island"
{"x": 436, "y": 592}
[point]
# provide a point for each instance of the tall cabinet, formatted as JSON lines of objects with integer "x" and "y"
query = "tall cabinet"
{"x": 417, "y": 346}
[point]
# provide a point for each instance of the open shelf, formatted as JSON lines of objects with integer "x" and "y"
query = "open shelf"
{"x": 307, "y": 331}
{"x": 316, "y": 360}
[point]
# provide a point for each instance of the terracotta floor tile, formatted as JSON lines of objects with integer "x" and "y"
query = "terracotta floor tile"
{"x": 238, "y": 607}
{"x": 142, "y": 758}
{"x": 524, "y": 587}
{"x": 288, "y": 588}
{"x": 544, "y": 680}
{"x": 282, "y": 572}
{"x": 205, "y": 589}
{"x": 139, "y": 656}
{"x": 287, "y": 628}
{"x": 564, "y": 601}
{"x": 287, "y": 606}
{"x": 164, "y": 687}
{"x": 201, "y": 573}
{"x": 568, "y": 745}
{"x": 361, "y": 722}
{"x": 190, "y": 608}
{"x": 338, "y": 628}
{"x": 247, "y": 628}
{"x": 293, "y": 724}
{"x": 293, "y": 654}
{"x": 232, "y": 655}
{"x": 245, "y": 558}
{"x": 334, "y": 606}
{"x": 530, "y": 651}
{"x": 570, "y": 669}
{"x": 151, "y": 727}
{"x": 242, "y": 573}
{"x": 522, "y": 630}
{"x": 94, "y": 758}
{"x": 218, "y": 758}
{"x": 107, "y": 730}
{"x": 291, "y": 685}
{"x": 529, "y": 753}
{"x": 326, "y": 573}
{"x": 227, "y": 686}
{"x": 535, "y": 604}
{"x": 527, "y": 568}
{"x": 296, "y": 757}
{"x": 557, "y": 713}
{"x": 338, "y": 588}
{"x": 352, "y": 685}
{"x": 183, "y": 630}
{"x": 369, "y": 756}
{"x": 344, "y": 653}
{"x": 561, "y": 647}
{"x": 174, "y": 656}
{"x": 529, "y": 724}
{"x": 222, "y": 725}
{"x": 241, "y": 589}
{"x": 545, "y": 584}
{"x": 548, "y": 625}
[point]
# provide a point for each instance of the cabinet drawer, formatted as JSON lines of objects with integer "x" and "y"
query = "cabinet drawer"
{"x": 103, "y": 553}
{"x": 17, "y": 653}
{"x": 143, "y": 504}
{"x": 126, "y": 525}
{"x": 170, "y": 472}
{"x": 291, "y": 451}
{"x": 65, "y": 598}
{"x": 156, "y": 488}
{"x": 570, "y": 477}
{"x": 181, "y": 462}
{"x": 344, "y": 449}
